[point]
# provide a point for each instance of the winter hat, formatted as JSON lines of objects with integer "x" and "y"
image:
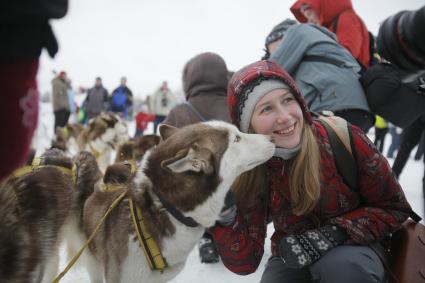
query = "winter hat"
{"x": 255, "y": 95}
{"x": 252, "y": 82}
{"x": 278, "y": 31}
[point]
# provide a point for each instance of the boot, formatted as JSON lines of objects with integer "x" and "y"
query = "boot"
{"x": 207, "y": 251}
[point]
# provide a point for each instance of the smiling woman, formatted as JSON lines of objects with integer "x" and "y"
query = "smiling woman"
{"x": 320, "y": 224}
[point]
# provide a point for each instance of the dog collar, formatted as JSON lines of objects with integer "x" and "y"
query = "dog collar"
{"x": 188, "y": 221}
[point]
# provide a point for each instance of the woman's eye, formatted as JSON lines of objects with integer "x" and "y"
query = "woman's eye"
{"x": 265, "y": 109}
{"x": 237, "y": 139}
{"x": 288, "y": 100}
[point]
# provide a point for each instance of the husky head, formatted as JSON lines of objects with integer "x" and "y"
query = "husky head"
{"x": 194, "y": 167}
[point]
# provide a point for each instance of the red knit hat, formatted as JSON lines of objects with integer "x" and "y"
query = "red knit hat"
{"x": 245, "y": 80}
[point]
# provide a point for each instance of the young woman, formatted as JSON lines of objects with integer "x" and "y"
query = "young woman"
{"x": 322, "y": 228}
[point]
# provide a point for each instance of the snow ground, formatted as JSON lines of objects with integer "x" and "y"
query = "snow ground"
{"x": 195, "y": 271}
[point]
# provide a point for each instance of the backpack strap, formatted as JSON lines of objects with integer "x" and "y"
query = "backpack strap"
{"x": 335, "y": 23}
{"x": 194, "y": 110}
{"x": 340, "y": 139}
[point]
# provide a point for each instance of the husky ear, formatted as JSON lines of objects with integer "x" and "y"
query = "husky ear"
{"x": 192, "y": 159}
{"x": 166, "y": 131}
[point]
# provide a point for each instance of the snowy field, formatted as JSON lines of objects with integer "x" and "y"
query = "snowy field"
{"x": 194, "y": 271}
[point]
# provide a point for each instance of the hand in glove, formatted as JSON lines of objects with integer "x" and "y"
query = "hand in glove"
{"x": 228, "y": 212}
{"x": 302, "y": 250}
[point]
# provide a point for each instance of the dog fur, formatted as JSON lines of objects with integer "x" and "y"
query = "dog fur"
{"x": 36, "y": 211}
{"x": 192, "y": 169}
{"x": 66, "y": 138}
{"x": 135, "y": 149}
{"x": 101, "y": 137}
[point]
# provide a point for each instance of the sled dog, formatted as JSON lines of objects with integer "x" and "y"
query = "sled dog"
{"x": 179, "y": 187}
{"x": 38, "y": 206}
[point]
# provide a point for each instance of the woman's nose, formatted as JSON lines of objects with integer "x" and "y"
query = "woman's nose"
{"x": 282, "y": 116}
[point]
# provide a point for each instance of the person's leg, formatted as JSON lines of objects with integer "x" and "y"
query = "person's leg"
{"x": 276, "y": 272}
{"x": 409, "y": 138}
{"x": 158, "y": 120}
{"x": 395, "y": 142}
{"x": 18, "y": 118}
{"x": 349, "y": 264}
{"x": 421, "y": 147}
{"x": 360, "y": 118}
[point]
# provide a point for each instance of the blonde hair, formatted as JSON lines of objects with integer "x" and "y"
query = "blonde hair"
{"x": 304, "y": 179}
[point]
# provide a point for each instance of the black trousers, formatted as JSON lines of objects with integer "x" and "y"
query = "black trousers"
{"x": 380, "y": 134}
{"x": 409, "y": 139}
{"x": 61, "y": 118}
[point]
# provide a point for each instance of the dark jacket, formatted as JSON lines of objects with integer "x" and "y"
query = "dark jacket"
{"x": 96, "y": 100}
{"x": 25, "y": 28}
{"x": 367, "y": 215}
{"x": 204, "y": 83}
{"x": 340, "y": 18}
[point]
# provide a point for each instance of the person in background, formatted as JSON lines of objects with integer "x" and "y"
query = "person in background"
{"x": 60, "y": 100}
{"x": 96, "y": 100}
{"x": 142, "y": 120}
{"x": 73, "y": 108}
{"x": 205, "y": 78}
{"x": 323, "y": 230}
{"x": 395, "y": 133}
{"x": 24, "y": 32}
{"x": 122, "y": 99}
{"x": 161, "y": 103}
{"x": 339, "y": 17}
{"x": 381, "y": 130}
{"x": 324, "y": 70}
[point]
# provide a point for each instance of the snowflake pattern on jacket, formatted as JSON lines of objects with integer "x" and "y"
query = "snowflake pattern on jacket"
{"x": 367, "y": 215}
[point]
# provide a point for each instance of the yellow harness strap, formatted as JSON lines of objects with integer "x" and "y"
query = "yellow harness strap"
{"x": 65, "y": 132}
{"x": 94, "y": 151}
{"x": 36, "y": 165}
{"x": 147, "y": 242}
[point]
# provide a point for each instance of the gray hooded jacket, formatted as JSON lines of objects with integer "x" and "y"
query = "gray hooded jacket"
{"x": 324, "y": 86}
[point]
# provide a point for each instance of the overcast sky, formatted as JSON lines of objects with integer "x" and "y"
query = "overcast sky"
{"x": 150, "y": 40}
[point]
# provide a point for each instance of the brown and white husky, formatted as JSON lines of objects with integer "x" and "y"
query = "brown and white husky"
{"x": 134, "y": 149}
{"x": 190, "y": 171}
{"x": 102, "y": 136}
{"x": 37, "y": 209}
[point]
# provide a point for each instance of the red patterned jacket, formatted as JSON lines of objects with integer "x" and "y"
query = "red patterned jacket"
{"x": 367, "y": 215}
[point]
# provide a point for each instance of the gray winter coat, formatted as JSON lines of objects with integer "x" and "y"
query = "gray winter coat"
{"x": 96, "y": 101}
{"x": 60, "y": 94}
{"x": 323, "y": 85}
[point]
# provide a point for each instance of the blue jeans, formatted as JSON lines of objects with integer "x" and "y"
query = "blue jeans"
{"x": 347, "y": 264}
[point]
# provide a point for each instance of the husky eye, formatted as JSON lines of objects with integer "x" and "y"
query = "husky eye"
{"x": 237, "y": 138}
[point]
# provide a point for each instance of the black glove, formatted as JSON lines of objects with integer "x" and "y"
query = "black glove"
{"x": 298, "y": 251}
{"x": 228, "y": 212}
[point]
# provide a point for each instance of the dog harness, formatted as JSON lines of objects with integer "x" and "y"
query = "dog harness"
{"x": 147, "y": 242}
{"x": 36, "y": 164}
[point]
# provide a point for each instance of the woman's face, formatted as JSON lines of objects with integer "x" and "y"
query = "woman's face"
{"x": 279, "y": 115}
{"x": 311, "y": 16}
